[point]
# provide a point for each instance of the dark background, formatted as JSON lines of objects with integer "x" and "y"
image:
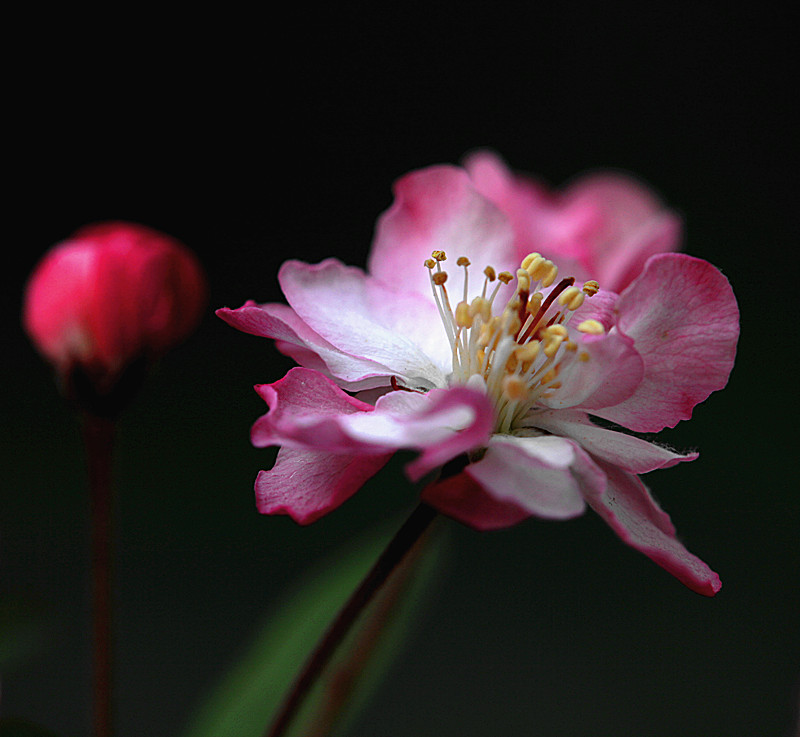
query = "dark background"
{"x": 257, "y": 140}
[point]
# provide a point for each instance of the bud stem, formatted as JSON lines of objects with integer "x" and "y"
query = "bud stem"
{"x": 98, "y": 435}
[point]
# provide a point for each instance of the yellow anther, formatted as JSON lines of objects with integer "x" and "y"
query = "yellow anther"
{"x": 551, "y": 275}
{"x": 568, "y": 295}
{"x": 555, "y": 331}
{"x": 534, "y": 302}
{"x": 577, "y": 301}
{"x": 491, "y": 275}
{"x": 583, "y": 357}
{"x": 528, "y": 351}
{"x": 571, "y": 298}
{"x": 463, "y": 261}
{"x": 480, "y": 306}
{"x": 590, "y": 288}
{"x": 593, "y": 327}
{"x": 550, "y": 376}
{"x": 439, "y": 278}
{"x": 429, "y": 263}
{"x": 511, "y": 321}
{"x": 514, "y": 388}
{"x": 505, "y": 277}
{"x": 551, "y": 346}
{"x": 526, "y": 262}
{"x": 523, "y": 280}
{"x": 539, "y": 267}
{"x": 488, "y": 330}
{"x": 571, "y": 346}
{"x": 439, "y": 255}
{"x": 463, "y": 316}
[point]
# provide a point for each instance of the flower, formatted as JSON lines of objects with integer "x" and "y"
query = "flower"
{"x": 500, "y": 379}
{"x": 110, "y": 297}
{"x": 604, "y": 226}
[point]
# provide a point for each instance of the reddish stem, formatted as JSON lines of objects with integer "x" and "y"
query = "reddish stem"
{"x": 391, "y": 557}
{"x": 98, "y": 435}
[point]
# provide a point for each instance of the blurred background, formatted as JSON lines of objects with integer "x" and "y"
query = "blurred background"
{"x": 254, "y": 141}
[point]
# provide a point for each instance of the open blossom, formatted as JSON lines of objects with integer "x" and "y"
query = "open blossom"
{"x": 111, "y": 295}
{"x": 492, "y": 366}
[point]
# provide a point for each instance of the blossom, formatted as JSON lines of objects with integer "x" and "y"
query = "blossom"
{"x": 110, "y": 296}
{"x": 506, "y": 379}
{"x": 603, "y": 226}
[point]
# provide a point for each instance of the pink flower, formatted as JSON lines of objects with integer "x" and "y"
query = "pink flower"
{"x": 604, "y": 226}
{"x": 112, "y": 295}
{"x": 492, "y": 369}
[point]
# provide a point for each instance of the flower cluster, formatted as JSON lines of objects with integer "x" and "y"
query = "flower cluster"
{"x": 496, "y": 328}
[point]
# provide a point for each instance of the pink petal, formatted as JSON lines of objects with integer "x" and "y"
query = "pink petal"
{"x": 542, "y": 475}
{"x": 455, "y": 421}
{"x": 306, "y": 484}
{"x": 633, "y": 514}
{"x": 683, "y": 318}
{"x": 438, "y": 208}
{"x": 297, "y": 340}
{"x": 308, "y": 410}
{"x": 462, "y": 498}
{"x": 633, "y": 225}
{"x": 612, "y": 372}
{"x": 540, "y": 220}
{"x": 365, "y": 319}
{"x": 627, "y": 452}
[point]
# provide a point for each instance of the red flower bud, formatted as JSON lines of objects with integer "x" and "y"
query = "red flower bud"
{"x": 112, "y": 296}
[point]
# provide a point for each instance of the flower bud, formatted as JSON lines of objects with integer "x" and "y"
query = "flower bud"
{"x": 113, "y": 296}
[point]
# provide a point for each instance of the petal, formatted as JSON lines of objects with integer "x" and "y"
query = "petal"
{"x": 454, "y": 421}
{"x": 294, "y": 338}
{"x": 542, "y": 475}
{"x": 683, "y": 318}
{"x": 541, "y": 220}
{"x": 633, "y": 225}
{"x": 306, "y": 484}
{"x": 628, "y": 452}
{"x": 464, "y": 499}
{"x": 364, "y": 318}
{"x": 307, "y": 410}
{"x": 634, "y": 515}
{"x": 607, "y": 370}
{"x": 438, "y": 208}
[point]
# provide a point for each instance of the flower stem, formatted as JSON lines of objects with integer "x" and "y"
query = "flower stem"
{"x": 98, "y": 435}
{"x": 392, "y": 556}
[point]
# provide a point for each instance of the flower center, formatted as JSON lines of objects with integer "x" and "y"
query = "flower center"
{"x": 523, "y": 352}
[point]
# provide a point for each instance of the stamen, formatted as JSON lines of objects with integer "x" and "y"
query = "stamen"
{"x": 562, "y": 285}
{"x": 571, "y": 298}
{"x": 526, "y": 262}
{"x": 514, "y": 388}
{"x": 465, "y": 262}
{"x": 522, "y": 353}
{"x": 463, "y": 316}
{"x": 590, "y": 288}
{"x": 593, "y": 327}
